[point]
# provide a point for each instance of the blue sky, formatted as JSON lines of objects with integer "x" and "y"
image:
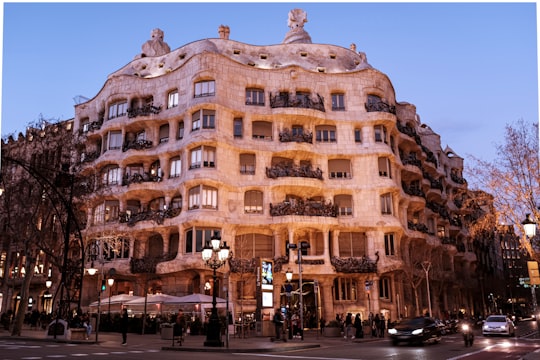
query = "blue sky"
{"x": 470, "y": 68}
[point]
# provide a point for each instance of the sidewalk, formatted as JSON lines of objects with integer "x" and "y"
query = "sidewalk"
{"x": 194, "y": 343}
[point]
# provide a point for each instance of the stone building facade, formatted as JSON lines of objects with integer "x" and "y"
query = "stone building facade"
{"x": 267, "y": 146}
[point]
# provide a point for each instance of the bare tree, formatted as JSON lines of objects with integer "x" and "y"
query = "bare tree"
{"x": 513, "y": 178}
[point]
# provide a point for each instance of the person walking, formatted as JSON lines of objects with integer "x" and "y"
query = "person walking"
{"x": 348, "y": 326}
{"x": 124, "y": 325}
{"x": 382, "y": 326}
{"x": 322, "y": 324}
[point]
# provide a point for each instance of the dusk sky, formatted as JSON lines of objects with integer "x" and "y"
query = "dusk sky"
{"x": 469, "y": 68}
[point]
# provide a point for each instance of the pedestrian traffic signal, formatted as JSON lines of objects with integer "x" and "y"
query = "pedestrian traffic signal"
{"x": 103, "y": 285}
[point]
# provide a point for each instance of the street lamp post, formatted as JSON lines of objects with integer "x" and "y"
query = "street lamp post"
{"x": 110, "y": 282}
{"x": 215, "y": 255}
{"x": 426, "y": 265}
{"x": 288, "y": 288}
{"x": 303, "y": 245}
{"x": 529, "y": 227}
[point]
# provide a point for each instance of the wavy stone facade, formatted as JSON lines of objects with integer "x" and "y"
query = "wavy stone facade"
{"x": 266, "y": 146}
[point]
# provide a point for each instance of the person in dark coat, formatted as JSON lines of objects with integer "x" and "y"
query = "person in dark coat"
{"x": 358, "y": 326}
{"x": 124, "y": 325}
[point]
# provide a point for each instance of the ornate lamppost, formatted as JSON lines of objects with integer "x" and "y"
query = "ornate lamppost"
{"x": 215, "y": 255}
{"x": 529, "y": 227}
{"x": 288, "y": 289}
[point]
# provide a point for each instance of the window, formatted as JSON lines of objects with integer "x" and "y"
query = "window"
{"x": 255, "y": 97}
{"x": 338, "y": 102}
{"x": 297, "y": 130}
{"x": 176, "y": 167}
{"x": 196, "y": 121}
{"x": 114, "y": 141}
{"x": 176, "y": 202}
{"x": 205, "y": 88}
{"x": 389, "y": 249}
{"x": 110, "y": 248}
{"x": 384, "y": 167}
{"x": 253, "y": 202}
{"x": 118, "y": 109}
{"x": 386, "y": 204}
{"x": 203, "y": 156}
{"x": 202, "y": 196}
{"x": 197, "y": 238}
{"x": 157, "y": 204}
{"x": 247, "y": 164}
{"x": 164, "y": 133}
{"x": 262, "y": 130}
{"x": 204, "y": 118}
{"x": 380, "y": 134}
{"x": 358, "y": 135}
{"x": 174, "y": 241}
{"x": 251, "y": 245}
{"x": 339, "y": 168}
{"x": 384, "y": 288}
{"x": 85, "y": 125}
{"x": 238, "y": 127}
{"x": 180, "y": 130}
{"x": 344, "y": 204}
{"x": 209, "y": 119}
{"x": 325, "y": 133}
{"x": 345, "y": 289}
{"x": 111, "y": 176}
{"x": 352, "y": 244}
{"x": 441, "y": 232}
{"x": 172, "y": 99}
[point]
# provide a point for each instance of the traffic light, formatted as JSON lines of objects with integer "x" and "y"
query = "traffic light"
{"x": 103, "y": 285}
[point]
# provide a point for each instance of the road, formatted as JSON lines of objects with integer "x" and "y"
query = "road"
{"x": 524, "y": 346}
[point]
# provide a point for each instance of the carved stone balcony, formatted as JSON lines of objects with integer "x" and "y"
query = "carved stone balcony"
{"x": 287, "y": 100}
{"x": 417, "y": 227}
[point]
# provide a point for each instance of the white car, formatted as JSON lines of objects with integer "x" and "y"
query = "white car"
{"x": 498, "y": 325}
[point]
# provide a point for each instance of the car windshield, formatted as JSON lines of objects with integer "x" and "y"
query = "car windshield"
{"x": 414, "y": 322}
{"x": 496, "y": 319}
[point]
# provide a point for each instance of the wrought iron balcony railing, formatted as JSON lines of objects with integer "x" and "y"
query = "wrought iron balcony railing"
{"x": 355, "y": 264}
{"x": 287, "y": 136}
{"x": 380, "y": 106}
{"x": 144, "y": 110}
{"x": 287, "y": 100}
{"x": 304, "y": 208}
{"x": 287, "y": 170}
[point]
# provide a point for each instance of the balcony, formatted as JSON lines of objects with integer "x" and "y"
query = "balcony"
{"x": 288, "y": 170}
{"x": 380, "y": 106}
{"x": 413, "y": 190}
{"x": 355, "y": 264}
{"x": 147, "y": 264}
{"x": 287, "y": 100}
{"x": 408, "y": 131}
{"x": 136, "y": 145}
{"x": 158, "y": 216}
{"x": 144, "y": 110}
{"x": 417, "y": 227}
{"x": 287, "y": 136}
{"x": 304, "y": 208}
{"x": 89, "y": 157}
{"x": 137, "y": 178}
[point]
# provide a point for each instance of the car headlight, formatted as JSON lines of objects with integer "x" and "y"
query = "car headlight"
{"x": 417, "y": 331}
{"x": 392, "y": 331}
{"x": 465, "y": 327}
{"x": 486, "y": 327}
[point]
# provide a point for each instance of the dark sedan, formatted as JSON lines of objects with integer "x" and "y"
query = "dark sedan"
{"x": 418, "y": 330}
